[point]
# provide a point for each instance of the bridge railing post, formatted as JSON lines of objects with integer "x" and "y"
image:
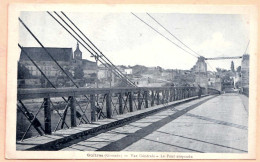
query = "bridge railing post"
{"x": 93, "y": 108}
{"x": 130, "y": 100}
{"x": 120, "y": 102}
{"x": 181, "y": 91}
{"x": 152, "y": 98}
{"x": 178, "y": 94}
{"x": 146, "y": 93}
{"x": 171, "y": 95}
{"x": 158, "y": 97}
{"x": 174, "y": 94}
{"x": 163, "y": 96}
{"x": 167, "y": 95}
{"x": 139, "y": 100}
{"x": 108, "y": 105}
{"x": 73, "y": 112}
{"x": 47, "y": 116}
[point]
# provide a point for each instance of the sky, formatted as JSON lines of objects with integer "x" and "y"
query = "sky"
{"x": 125, "y": 40}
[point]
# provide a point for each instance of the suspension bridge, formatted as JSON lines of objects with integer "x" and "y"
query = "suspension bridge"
{"x": 130, "y": 118}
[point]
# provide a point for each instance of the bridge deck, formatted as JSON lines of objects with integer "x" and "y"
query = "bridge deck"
{"x": 210, "y": 124}
{"x": 53, "y": 142}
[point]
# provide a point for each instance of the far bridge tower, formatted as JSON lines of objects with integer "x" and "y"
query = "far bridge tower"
{"x": 201, "y": 72}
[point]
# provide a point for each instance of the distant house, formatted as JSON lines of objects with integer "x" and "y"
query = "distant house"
{"x": 128, "y": 71}
{"x": 64, "y": 56}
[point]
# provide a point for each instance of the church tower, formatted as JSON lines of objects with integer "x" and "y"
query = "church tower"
{"x": 77, "y": 53}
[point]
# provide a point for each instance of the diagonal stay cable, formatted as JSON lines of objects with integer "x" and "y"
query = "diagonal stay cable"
{"x": 42, "y": 73}
{"x": 98, "y": 56}
{"x": 172, "y": 34}
{"x": 247, "y": 46}
{"x": 49, "y": 54}
{"x": 81, "y": 43}
{"x": 124, "y": 77}
{"x": 93, "y": 44}
{"x": 209, "y": 65}
{"x": 162, "y": 35}
{"x": 176, "y": 37}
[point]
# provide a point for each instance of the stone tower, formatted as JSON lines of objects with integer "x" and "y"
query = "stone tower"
{"x": 201, "y": 73}
{"x": 77, "y": 53}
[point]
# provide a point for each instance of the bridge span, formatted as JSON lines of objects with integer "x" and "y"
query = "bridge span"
{"x": 171, "y": 119}
{"x": 212, "y": 124}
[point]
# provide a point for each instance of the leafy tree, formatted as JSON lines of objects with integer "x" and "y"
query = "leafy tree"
{"x": 221, "y": 70}
{"x": 160, "y": 68}
{"x": 232, "y": 66}
{"x": 239, "y": 69}
{"x": 78, "y": 73}
{"x": 139, "y": 69}
{"x": 23, "y": 72}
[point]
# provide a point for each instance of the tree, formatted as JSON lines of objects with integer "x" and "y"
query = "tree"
{"x": 23, "y": 72}
{"x": 239, "y": 69}
{"x": 232, "y": 66}
{"x": 221, "y": 70}
{"x": 78, "y": 73}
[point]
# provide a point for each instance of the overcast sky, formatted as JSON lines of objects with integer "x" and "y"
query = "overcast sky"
{"x": 125, "y": 40}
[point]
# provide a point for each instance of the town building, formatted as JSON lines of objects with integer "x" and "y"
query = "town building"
{"x": 245, "y": 71}
{"x": 64, "y": 56}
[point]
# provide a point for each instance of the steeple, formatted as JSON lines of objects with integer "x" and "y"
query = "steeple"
{"x": 77, "y": 45}
{"x": 77, "y": 53}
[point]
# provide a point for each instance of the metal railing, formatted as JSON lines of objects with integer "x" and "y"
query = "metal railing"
{"x": 244, "y": 91}
{"x": 212, "y": 91}
{"x": 48, "y": 110}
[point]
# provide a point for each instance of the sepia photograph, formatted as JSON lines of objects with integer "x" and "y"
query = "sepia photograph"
{"x": 132, "y": 83}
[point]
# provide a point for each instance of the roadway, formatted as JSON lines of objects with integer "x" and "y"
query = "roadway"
{"x": 213, "y": 124}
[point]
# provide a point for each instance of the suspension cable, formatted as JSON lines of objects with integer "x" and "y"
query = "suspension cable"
{"x": 163, "y": 35}
{"x": 81, "y": 43}
{"x": 97, "y": 55}
{"x": 93, "y": 44}
{"x": 172, "y": 34}
{"x": 48, "y": 52}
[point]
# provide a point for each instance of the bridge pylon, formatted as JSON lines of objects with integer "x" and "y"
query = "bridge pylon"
{"x": 201, "y": 73}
